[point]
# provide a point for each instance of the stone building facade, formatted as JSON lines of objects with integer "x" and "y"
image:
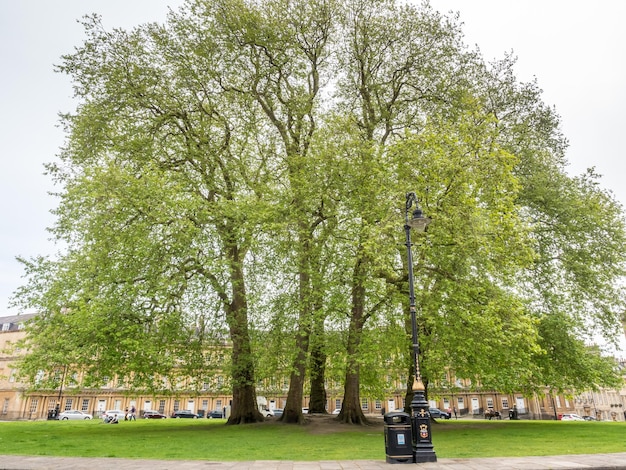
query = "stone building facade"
{"x": 16, "y": 403}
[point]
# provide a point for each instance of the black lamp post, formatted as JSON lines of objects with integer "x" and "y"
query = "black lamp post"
{"x": 423, "y": 450}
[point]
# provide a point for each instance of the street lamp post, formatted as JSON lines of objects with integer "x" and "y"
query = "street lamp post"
{"x": 423, "y": 450}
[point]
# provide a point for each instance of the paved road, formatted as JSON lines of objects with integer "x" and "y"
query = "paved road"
{"x": 560, "y": 462}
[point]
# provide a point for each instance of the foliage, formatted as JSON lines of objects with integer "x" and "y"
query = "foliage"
{"x": 238, "y": 174}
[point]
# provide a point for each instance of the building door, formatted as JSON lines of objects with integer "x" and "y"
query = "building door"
{"x": 475, "y": 406}
{"x": 519, "y": 402}
{"x": 191, "y": 406}
{"x": 391, "y": 405}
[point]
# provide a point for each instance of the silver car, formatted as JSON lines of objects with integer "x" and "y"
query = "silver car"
{"x": 572, "y": 417}
{"x": 74, "y": 414}
{"x": 109, "y": 414}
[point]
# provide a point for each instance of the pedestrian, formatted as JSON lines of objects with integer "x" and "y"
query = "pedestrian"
{"x": 126, "y": 414}
{"x": 455, "y": 416}
{"x": 133, "y": 413}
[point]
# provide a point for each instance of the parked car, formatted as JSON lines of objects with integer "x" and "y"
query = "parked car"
{"x": 184, "y": 414}
{"x": 215, "y": 414}
{"x": 109, "y": 414}
{"x": 74, "y": 414}
{"x": 437, "y": 413}
{"x": 151, "y": 414}
{"x": 278, "y": 412}
{"x": 336, "y": 411}
{"x": 572, "y": 417}
{"x": 589, "y": 418}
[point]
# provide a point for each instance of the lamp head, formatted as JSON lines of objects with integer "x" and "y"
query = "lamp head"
{"x": 418, "y": 221}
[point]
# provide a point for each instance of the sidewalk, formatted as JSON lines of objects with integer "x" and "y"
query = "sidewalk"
{"x": 560, "y": 462}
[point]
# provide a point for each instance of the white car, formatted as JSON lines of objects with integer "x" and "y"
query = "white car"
{"x": 572, "y": 417}
{"x": 108, "y": 415}
{"x": 74, "y": 414}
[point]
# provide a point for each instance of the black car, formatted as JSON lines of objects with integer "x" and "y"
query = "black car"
{"x": 278, "y": 412}
{"x": 153, "y": 415}
{"x": 215, "y": 414}
{"x": 437, "y": 413}
{"x": 184, "y": 414}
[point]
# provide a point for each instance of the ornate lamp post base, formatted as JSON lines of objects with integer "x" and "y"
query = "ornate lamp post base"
{"x": 423, "y": 450}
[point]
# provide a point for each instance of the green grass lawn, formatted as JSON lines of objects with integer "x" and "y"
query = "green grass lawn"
{"x": 212, "y": 440}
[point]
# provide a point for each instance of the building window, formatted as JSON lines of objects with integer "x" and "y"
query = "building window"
{"x": 85, "y": 405}
{"x": 205, "y": 404}
{"x": 378, "y": 405}
{"x": 12, "y": 377}
{"x": 489, "y": 402}
{"x": 33, "y": 405}
{"x": 338, "y": 404}
{"x": 68, "y": 404}
{"x": 460, "y": 403}
{"x": 505, "y": 403}
{"x": 39, "y": 377}
{"x": 218, "y": 405}
{"x": 176, "y": 405}
{"x": 364, "y": 404}
{"x": 5, "y": 406}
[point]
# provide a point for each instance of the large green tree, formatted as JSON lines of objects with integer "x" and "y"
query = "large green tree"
{"x": 162, "y": 179}
{"x": 242, "y": 170}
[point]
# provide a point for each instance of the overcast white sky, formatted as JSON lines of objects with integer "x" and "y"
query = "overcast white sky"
{"x": 576, "y": 50}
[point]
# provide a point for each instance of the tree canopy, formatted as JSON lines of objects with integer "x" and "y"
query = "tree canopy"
{"x": 239, "y": 173}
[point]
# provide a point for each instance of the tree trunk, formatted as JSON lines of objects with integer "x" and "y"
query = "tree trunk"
{"x": 317, "y": 403}
{"x": 351, "y": 411}
{"x": 292, "y": 412}
{"x": 244, "y": 407}
{"x": 293, "y": 407}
